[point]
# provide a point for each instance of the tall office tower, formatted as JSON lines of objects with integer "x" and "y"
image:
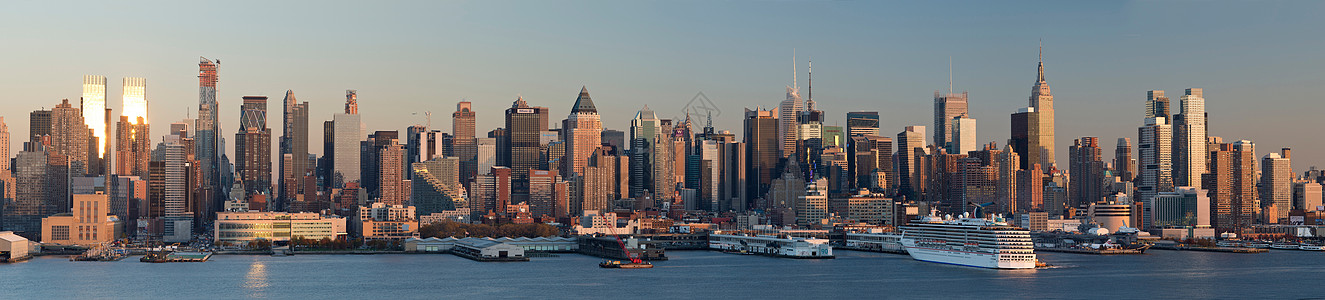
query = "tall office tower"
{"x": 910, "y": 167}
{"x": 962, "y": 136}
{"x": 543, "y": 196}
{"x": 294, "y": 143}
{"x": 1123, "y": 165}
{"x": 524, "y": 127}
{"x": 870, "y": 162}
{"x": 207, "y": 137}
{"x": 326, "y": 163}
{"x": 71, "y": 137}
{"x": 93, "y": 105}
{"x": 1232, "y": 186}
{"x": 393, "y": 189}
{"x": 733, "y": 181}
{"x": 1022, "y": 122}
{"x": 1030, "y": 190}
{"x": 583, "y": 133}
{"x": 644, "y": 134}
{"x": 349, "y": 131}
{"x": 463, "y": 122}
{"x": 1008, "y": 169}
{"x": 863, "y": 123}
{"x": 946, "y": 108}
{"x": 809, "y": 137}
{"x": 1087, "y": 167}
{"x": 788, "y": 111}
{"x": 253, "y": 146}
{"x": 39, "y": 129}
{"x": 1189, "y": 137}
{"x": 943, "y": 173}
{"x": 133, "y": 145}
{"x": 1276, "y": 185}
{"x": 977, "y": 179}
{"x": 435, "y": 186}
{"x": 1041, "y": 137}
{"x": 1155, "y": 168}
{"x": 486, "y": 156}
{"x": 1157, "y": 105}
{"x": 761, "y": 149}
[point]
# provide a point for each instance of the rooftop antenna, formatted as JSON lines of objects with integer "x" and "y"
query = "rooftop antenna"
{"x": 809, "y": 102}
{"x": 950, "y": 74}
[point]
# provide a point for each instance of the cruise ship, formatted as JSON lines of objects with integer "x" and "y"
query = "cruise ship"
{"x": 965, "y": 241}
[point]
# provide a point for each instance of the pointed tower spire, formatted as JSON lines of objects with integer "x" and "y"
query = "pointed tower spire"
{"x": 809, "y": 101}
{"x": 1040, "y": 77}
{"x": 795, "y": 83}
{"x": 950, "y": 74}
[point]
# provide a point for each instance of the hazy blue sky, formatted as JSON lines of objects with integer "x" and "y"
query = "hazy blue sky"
{"x": 1259, "y": 62}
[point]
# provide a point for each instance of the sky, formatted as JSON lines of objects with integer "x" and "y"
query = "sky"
{"x": 1259, "y": 62}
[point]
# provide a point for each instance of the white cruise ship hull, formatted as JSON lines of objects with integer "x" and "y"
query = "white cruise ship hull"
{"x": 963, "y": 258}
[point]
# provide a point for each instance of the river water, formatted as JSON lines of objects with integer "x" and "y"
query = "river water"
{"x": 689, "y": 274}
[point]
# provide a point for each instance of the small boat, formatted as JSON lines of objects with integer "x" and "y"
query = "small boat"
{"x": 1309, "y": 247}
{"x": 1258, "y": 245}
{"x": 1229, "y": 243}
{"x": 616, "y": 264}
{"x": 1284, "y": 246}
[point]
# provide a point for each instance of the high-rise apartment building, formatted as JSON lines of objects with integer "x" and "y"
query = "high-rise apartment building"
{"x": 253, "y": 146}
{"x": 132, "y": 133}
{"x": 1189, "y": 140}
{"x": 1232, "y": 185}
{"x": 349, "y": 131}
{"x": 1087, "y": 167}
{"x": 71, "y": 137}
{"x": 1276, "y": 184}
{"x": 946, "y": 108}
{"x": 436, "y": 187}
{"x": 207, "y": 139}
{"x": 393, "y": 188}
{"x": 294, "y": 151}
{"x": 1155, "y": 167}
{"x": 93, "y": 105}
{"x": 6, "y": 174}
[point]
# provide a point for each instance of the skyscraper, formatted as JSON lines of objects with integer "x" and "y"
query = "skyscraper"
{"x": 762, "y": 148}
{"x": 94, "y": 106}
{"x": 1276, "y": 185}
{"x": 1189, "y": 140}
{"x": 910, "y": 166}
{"x": 946, "y": 108}
{"x": 463, "y": 122}
{"x": 1123, "y": 165}
{"x": 294, "y": 149}
{"x": 788, "y": 112}
{"x": 863, "y": 122}
{"x": 524, "y": 127}
{"x": 207, "y": 139}
{"x": 435, "y": 187}
{"x": 1155, "y": 168}
{"x": 1041, "y": 138}
{"x": 6, "y": 175}
{"x": 644, "y": 131}
{"x": 1157, "y": 105}
{"x": 962, "y": 138}
{"x": 1087, "y": 167}
{"x": 71, "y": 137}
{"x": 133, "y": 143}
{"x": 349, "y": 131}
{"x": 1232, "y": 186}
{"x": 1023, "y": 121}
{"x": 253, "y": 146}
{"x": 392, "y": 186}
{"x": 584, "y": 133}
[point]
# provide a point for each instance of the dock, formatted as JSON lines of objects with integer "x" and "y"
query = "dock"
{"x": 160, "y": 257}
{"x": 1115, "y": 251}
{"x": 1210, "y": 249}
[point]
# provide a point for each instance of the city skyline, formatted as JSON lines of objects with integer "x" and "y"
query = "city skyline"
{"x": 995, "y": 79}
